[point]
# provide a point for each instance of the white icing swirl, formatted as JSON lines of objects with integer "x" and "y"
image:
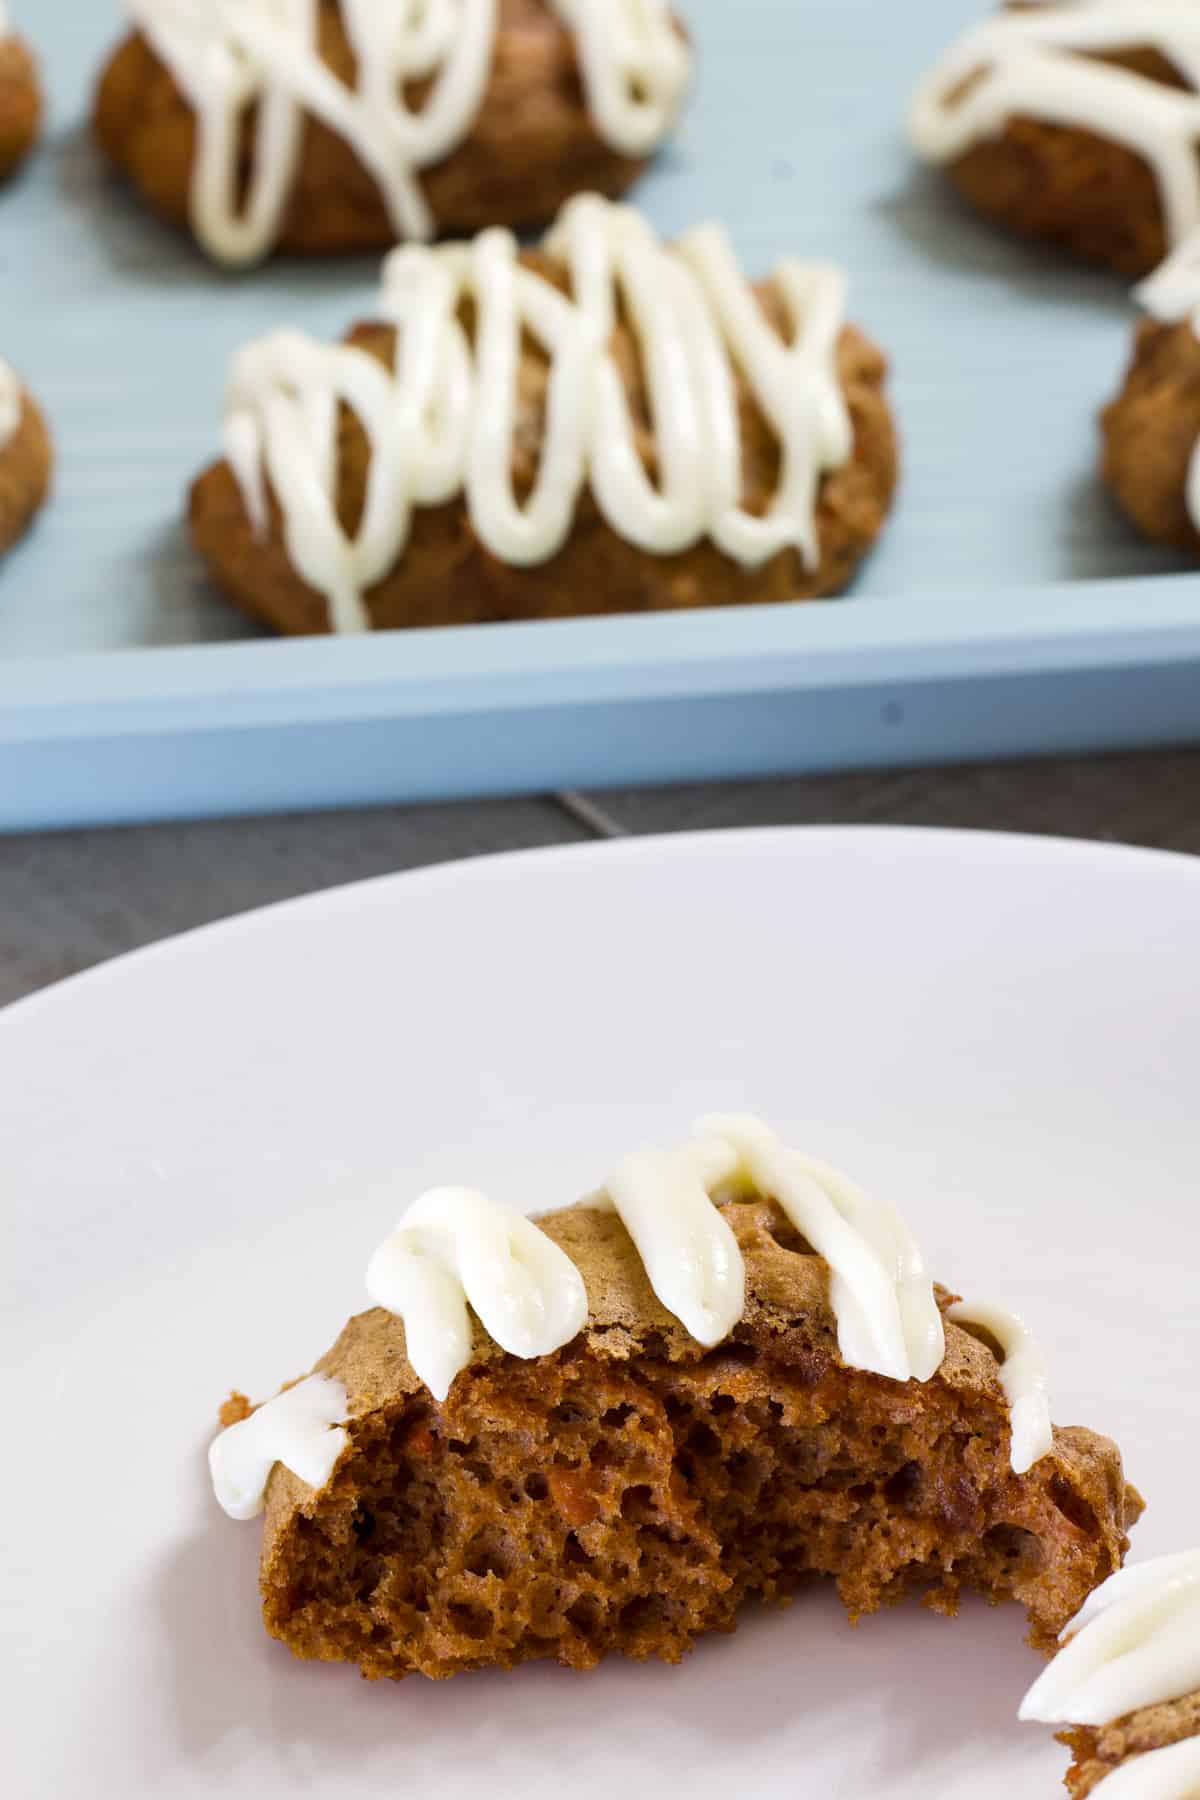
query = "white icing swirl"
{"x": 664, "y": 1200}
{"x": 879, "y": 1288}
{"x": 300, "y": 1428}
{"x": 455, "y": 1246}
{"x": 444, "y": 422}
{"x": 10, "y": 401}
{"x": 1135, "y": 1643}
{"x": 1038, "y": 62}
{"x": 636, "y": 68}
{"x": 1172, "y": 294}
{"x": 231, "y": 56}
{"x": 1023, "y": 1376}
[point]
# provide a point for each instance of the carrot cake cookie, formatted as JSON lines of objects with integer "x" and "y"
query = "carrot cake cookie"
{"x": 725, "y": 1375}
{"x": 602, "y": 425}
{"x": 20, "y": 97}
{"x": 1074, "y": 121}
{"x": 25, "y": 457}
{"x": 1151, "y": 430}
{"x": 328, "y": 126}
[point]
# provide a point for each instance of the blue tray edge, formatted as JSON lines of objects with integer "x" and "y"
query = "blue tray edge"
{"x": 131, "y": 736}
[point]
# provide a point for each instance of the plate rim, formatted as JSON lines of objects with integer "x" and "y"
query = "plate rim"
{"x": 635, "y": 847}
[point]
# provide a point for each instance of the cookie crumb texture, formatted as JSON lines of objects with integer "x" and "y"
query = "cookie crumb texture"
{"x": 1098, "y": 1750}
{"x": 447, "y": 577}
{"x": 1074, "y": 189}
{"x": 25, "y": 467}
{"x": 1151, "y": 431}
{"x": 20, "y": 103}
{"x": 633, "y": 1490}
{"x": 531, "y": 147}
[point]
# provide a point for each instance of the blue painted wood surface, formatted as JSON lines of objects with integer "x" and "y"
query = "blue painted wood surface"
{"x": 1008, "y": 609}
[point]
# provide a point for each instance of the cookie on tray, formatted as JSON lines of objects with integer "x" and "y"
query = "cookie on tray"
{"x": 1151, "y": 430}
{"x": 602, "y": 425}
{"x": 331, "y": 128}
{"x": 1075, "y": 123}
{"x": 1126, "y": 1684}
{"x": 663, "y": 1401}
{"x": 25, "y": 458}
{"x": 20, "y": 98}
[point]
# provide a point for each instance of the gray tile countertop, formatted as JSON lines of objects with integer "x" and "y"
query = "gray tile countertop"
{"x": 73, "y": 899}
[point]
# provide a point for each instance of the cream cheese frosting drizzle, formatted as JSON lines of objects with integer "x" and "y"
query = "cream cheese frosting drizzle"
{"x": 453, "y": 1247}
{"x": 456, "y": 1252}
{"x": 10, "y": 404}
{"x": 1023, "y": 1376}
{"x": 1135, "y": 1643}
{"x": 300, "y": 1428}
{"x": 231, "y": 56}
{"x": 881, "y": 1293}
{"x": 1172, "y": 294}
{"x": 692, "y": 1259}
{"x": 443, "y": 422}
{"x": 1038, "y": 62}
{"x": 636, "y": 68}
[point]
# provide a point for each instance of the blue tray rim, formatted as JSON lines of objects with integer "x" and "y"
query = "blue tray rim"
{"x": 1055, "y": 627}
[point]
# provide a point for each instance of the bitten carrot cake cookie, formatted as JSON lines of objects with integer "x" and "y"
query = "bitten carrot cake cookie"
{"x": 1075, "y": 121}
{"x": 724, "y": 1375}
{"x": 336, "y": 125}
{"x": 25, "y": 457}
{"x": 1151, "y": 430}
{"x": 20, "y": 97}
{"x": 1127, "y": 1685}
{"x": 603, "y": 425}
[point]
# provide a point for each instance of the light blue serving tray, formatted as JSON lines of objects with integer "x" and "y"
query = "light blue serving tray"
{"x": 1008, "y": 608}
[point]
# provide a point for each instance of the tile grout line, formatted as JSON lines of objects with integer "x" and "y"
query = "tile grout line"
{"x": 587, "y": 813}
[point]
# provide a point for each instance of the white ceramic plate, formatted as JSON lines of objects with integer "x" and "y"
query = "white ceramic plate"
{"x": 201, "y": 1145}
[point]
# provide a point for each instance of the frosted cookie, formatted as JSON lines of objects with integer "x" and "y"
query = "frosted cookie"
{"x": 328, "y": 126}
{"x": 1151, "y": 430}
{"x": 1127, "y": 1685}
{"x": 725, "y": 1374}
{"x": 1075, "y": 122}
{"x": 20, "y": 97}
{"x": 603, "y": 425}
{"x": 25, "y": 458}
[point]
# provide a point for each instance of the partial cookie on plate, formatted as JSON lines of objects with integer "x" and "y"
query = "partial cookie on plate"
{"x": 26, "y": 457}
{"x": 1074, "y": 123}
{"x": 20, "y": 98}
{"x": 1126, "y": 1684}
{"x": 603, "y": 425}
{"x": 662, "y": 1403}
{"x": 337, "y": 129}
